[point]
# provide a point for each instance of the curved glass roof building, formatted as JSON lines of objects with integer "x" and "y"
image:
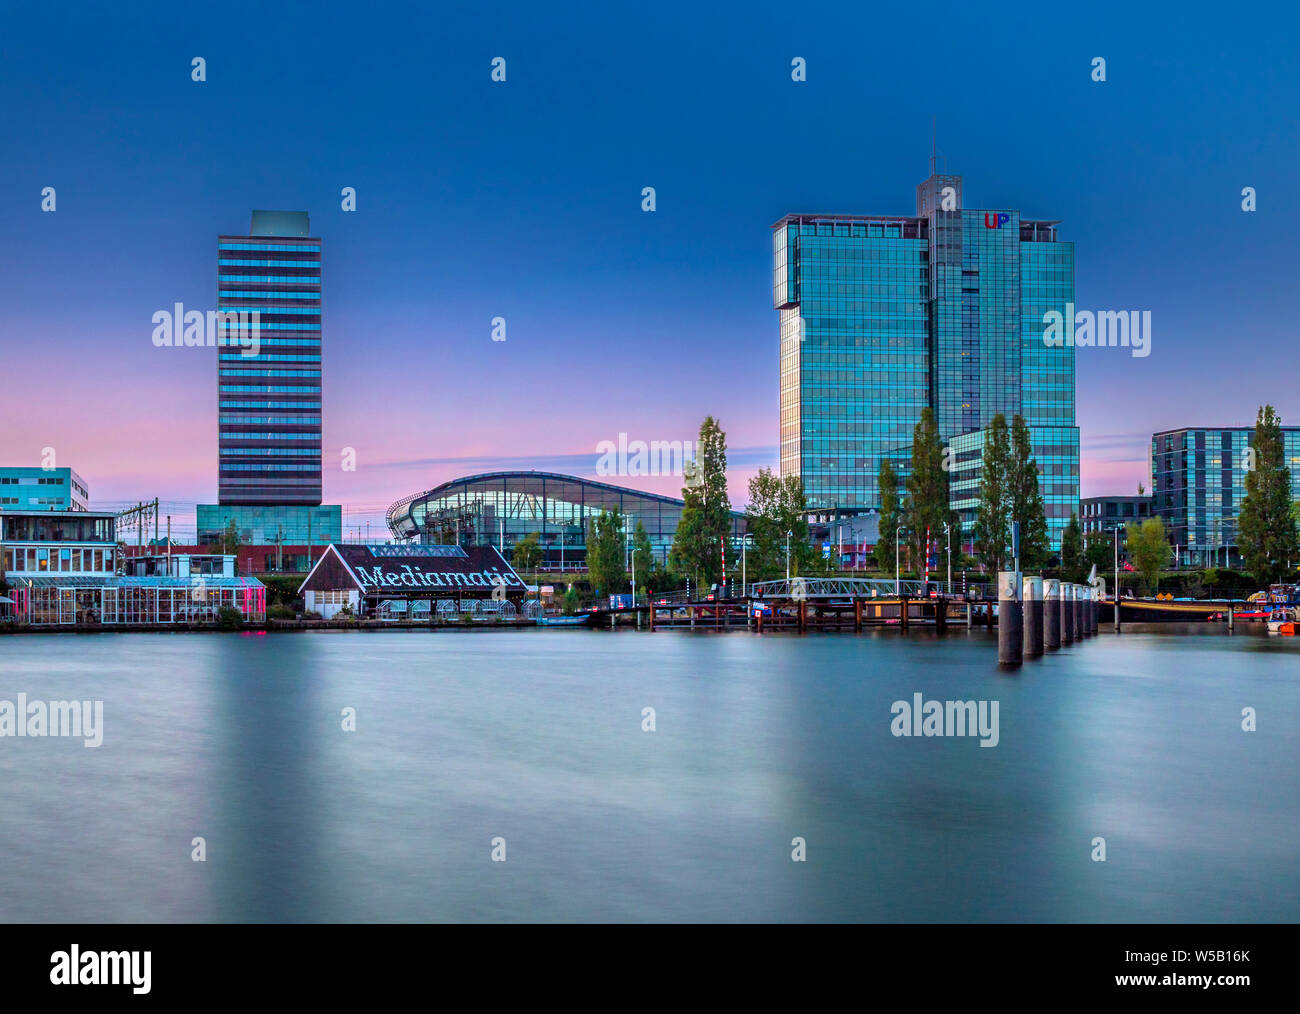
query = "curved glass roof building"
{"x": 500, "y": 508}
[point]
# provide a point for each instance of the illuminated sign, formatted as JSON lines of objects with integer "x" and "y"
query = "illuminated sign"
{"x": 996, "y": 219}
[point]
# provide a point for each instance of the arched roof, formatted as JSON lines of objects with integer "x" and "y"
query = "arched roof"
{"x": 403, "y": 526}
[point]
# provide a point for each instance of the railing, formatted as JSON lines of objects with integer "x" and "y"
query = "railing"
{"x": 838, "y": 588}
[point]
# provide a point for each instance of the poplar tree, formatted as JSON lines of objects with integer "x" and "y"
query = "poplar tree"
{"x": 706, "y": 515}
{"x": 1266, "y": 531}
{"x": 992, "y": 529}
{"x": 927, "y": 487}
{"x": 606, "y": 552}
{"x": 1027, "y": 498}
{"x": 1073, "y": 560}
{"x": 890, "y": 514}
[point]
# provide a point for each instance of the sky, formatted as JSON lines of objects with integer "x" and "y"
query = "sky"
{"x": 477, "y": 199}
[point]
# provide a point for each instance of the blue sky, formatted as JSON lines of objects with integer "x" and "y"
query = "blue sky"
{"x": 522, "y": 200}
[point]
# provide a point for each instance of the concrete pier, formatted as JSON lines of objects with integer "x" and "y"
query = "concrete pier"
{"x": 1051, "y": 613}
{"x": 1032, "y": 591}
{"x": 1067, "y": 613}
{"x": 1010, "y": 618}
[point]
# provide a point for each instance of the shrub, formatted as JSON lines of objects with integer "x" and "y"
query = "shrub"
{"x": 229, "y": 618}
{"x": 280, "y": 612}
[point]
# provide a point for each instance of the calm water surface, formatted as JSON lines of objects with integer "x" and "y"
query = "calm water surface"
{"x": 535, "y": 737}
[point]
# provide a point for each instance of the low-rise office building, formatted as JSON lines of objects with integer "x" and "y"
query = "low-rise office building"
{"x": 1100, "y": 516}
{"x": 35, "y": 488}
{"x": 1198, "y": 481}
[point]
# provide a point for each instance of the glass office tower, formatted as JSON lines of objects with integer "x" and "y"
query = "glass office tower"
{"x": 881, "y": 316}
{"x": 1198, "y": 481}
{"x": 270, "y": 404}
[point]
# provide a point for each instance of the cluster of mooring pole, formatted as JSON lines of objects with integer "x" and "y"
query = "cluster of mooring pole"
{"x": 1037, "y": 614}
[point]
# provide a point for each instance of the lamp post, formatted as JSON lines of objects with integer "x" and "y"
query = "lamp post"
{"x": 787, "y": 555}
{"x": 948, "y": 536}
{"x": 1222, "y": 522}
{"x": 1115, "y": 597}
{"x": 897, "y": 564}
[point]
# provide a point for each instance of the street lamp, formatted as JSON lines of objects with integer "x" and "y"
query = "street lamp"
{"x": 1222, "y": 522}
{"x": 947, "y": 532}
{"x": 787, "y": 555}
{"x": 898, "y": 585}
{"x": 1115, "y": 596}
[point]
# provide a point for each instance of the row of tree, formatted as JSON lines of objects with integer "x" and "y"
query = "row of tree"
{"x": 1009, "y": 493}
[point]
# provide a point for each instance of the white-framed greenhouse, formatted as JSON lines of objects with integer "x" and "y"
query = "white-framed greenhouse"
{"x": 90, "y": 601}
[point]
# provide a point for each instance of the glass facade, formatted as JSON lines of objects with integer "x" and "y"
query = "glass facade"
{"x": 281, "y": 524}
{"x": 500, "y": 508}
{"x": 1198, "y": 481}
{"x": 855, "y": 357}
{"x": 270, "y": 435}
{"x": 882, "y": 316}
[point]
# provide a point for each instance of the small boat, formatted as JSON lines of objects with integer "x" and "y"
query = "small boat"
{"x": 578, "y": 620}
{"x": 1284, "y": 627}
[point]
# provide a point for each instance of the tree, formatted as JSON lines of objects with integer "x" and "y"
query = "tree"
{"x": 1099, "y": 551}
{"x": 890, "y": 515}
{"x": 927, "y": 487}
{"x": 764, "y": 559}
{"x": 606, "y": 552}
{"x": 527, "y": 554}
{"x": 1266, "y": 531}
{"x": 706, "y": 515}
{"x": 1148, "y": 548}
{"x": 642, "y": 553}
{"x": 1073, "y": 565}
{"x": 229, "y": 539}
{"x": 993, "y": 512}
{"x": 777, "y": 506}
{"x": 1027, "y": 498}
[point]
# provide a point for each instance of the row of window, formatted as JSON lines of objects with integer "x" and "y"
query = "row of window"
{"x": 264, "y": 326}
{"x": 311, "y": 280}
{"x": 267, "y": 420}
{"x": 277, "y": 247}
{"x": 63, "y": 561}
{"x": 232, "y": 435}
{"x": 234, "y": 263}
{"x": 269, "y": 357}
{"x": 235, "y": 294}
{"x": 281, "y": 310}
{"x": 259, "y": 389}
{"x": 300, "y": 405}
{"x": 270, "y": 373}
{"x": 268, "y": 467}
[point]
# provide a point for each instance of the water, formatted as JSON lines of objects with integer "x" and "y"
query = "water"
{"x": 535, "y": 736}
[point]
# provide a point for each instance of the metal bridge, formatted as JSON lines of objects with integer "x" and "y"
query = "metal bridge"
{"x": 819, "y": 588}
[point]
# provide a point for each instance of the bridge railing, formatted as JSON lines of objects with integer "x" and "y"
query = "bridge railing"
{"x": 838, "y": 587}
